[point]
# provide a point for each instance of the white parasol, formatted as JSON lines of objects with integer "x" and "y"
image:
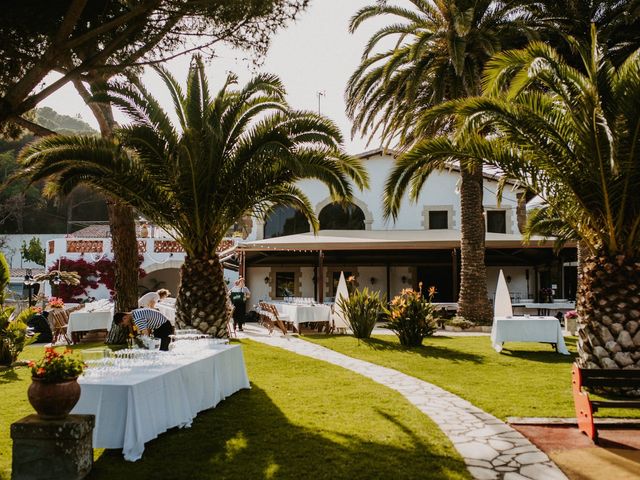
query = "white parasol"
{"x": 502, "y": 305}
{"x": 338, "y": 315}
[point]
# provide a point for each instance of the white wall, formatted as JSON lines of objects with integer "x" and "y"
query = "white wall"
{"x": 14, "y": 244}
{"x": 518, "y": 282}
{"x": 439, "y": 190}
{"x": 255, "y": 282}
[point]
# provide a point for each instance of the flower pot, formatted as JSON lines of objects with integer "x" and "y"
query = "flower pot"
{"x": 53, "y": 400}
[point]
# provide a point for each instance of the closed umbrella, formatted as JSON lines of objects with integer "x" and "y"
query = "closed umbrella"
{"x": 338, "y": 315}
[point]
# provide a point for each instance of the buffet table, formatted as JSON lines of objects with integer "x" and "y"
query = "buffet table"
{"x": 135, "y": 407}
{"x": 528, "y": 329}
{"x": 83, "y": 321}
{"x": 298, "y": 314}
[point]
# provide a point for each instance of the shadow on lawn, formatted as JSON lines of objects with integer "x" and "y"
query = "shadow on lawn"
{"x": 550, "y": 356}
{"x": 427, "y": 351}
{"x": 8, "y": 375}
{"x": 248, "y": 437}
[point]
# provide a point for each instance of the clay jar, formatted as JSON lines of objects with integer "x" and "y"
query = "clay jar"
{"x": 53, "y": 400}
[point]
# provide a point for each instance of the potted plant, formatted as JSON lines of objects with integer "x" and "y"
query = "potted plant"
{"x": 54, "y": 390}
{"x": 571, "y": 322}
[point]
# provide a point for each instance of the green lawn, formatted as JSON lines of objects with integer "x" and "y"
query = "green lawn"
{"x": 525, "y": 380}
{"x": 301, "y": 419}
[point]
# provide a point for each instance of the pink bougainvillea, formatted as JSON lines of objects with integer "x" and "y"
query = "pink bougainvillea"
{"x": 92, "y": 275}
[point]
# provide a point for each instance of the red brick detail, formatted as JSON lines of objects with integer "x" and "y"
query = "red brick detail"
{"x": 85, "y": 246}
{"x": 167, "y": 246}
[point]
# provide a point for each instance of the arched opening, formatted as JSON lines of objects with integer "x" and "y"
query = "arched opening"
{"x": 341, "y": 217}
{"x": 285, "y": 221}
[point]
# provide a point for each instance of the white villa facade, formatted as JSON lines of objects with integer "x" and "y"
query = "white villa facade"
{"x": 280, "y": 258}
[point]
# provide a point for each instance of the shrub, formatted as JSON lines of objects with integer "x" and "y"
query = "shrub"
{"x": 460, "y": 322}
{"x": 361, "y": 311}
{"x": 411, "y": 317}
{"x": 13, "y": 334}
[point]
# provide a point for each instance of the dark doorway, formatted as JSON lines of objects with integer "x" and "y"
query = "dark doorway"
{"x": 570, "y": 282}
{"x": 441, "y": 277}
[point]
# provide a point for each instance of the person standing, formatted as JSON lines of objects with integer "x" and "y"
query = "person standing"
{"x": 239, "y": 294}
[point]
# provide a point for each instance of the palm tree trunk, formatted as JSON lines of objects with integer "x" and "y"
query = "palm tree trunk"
{"x": 202, "y": 301}
{"x": 125, "y": 254}
{"x": 473, "y": 302}
{"x": 609, "y": 312}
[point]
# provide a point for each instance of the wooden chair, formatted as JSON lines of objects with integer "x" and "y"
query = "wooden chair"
{"x": 58, "y": 319}
{"x": 264, "y": 318}
{"x": 273, "y": 317}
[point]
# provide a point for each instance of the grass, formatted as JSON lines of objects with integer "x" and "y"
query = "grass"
{"x": 525, "y": 380}
{"x": 302, "y": 419}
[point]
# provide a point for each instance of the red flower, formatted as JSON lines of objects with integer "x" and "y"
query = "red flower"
{"x": 40, "y": 371}
{"x": 31, "y": 364}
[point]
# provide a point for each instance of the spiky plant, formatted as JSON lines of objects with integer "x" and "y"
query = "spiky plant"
{"x": 572, "y": 136}
{"x": 438, "y": 50}
{"x": 236, "y": 153}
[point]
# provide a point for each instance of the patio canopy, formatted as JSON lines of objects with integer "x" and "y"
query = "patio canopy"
{"x": 385, "y": 240}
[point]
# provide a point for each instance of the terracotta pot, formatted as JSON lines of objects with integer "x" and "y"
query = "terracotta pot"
{"x": 53, "y": 400}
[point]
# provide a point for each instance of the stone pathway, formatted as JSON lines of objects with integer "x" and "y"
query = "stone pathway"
{"x": 490, "y": 448}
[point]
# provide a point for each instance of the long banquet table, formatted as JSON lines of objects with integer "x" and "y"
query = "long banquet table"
{"x": 528, "y": 329}
{"x": 298, "y": 314}
{"x": 134, "y": 408}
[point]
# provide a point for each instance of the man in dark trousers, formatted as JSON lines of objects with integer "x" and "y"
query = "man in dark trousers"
{"x": 148, "y": 321}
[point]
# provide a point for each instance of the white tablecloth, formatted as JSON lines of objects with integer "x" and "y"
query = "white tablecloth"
{"x": 527, "y": 329}
{"x": 133, "y": 409}
{"x": 168, "y": 311}
{"x": 305, "y": 313}
{"x": 80, "y": 321}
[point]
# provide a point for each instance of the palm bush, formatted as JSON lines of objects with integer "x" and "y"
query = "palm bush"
{"x": 571, "y": 136}
{"x": 412, "y": 317}
{"x": 361, "y": 310}
{"x": 237, "y": 153}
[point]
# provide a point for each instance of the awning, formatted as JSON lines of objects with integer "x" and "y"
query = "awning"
{"x": 385, "y": 240}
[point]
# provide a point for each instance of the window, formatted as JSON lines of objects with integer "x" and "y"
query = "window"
{"x": 496, "y": 221}
{"x": 285, "y": 221}
{"x": 338, "y": 217}
{"x": 438, "y": 219}
{"x": 285, "y": 284}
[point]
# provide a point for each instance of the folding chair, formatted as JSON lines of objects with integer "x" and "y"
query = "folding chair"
{"x": 59, "y": 319}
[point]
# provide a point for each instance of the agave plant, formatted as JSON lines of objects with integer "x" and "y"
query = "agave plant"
{"x": 237, "y": 153}
{"x": 571, "y": 136}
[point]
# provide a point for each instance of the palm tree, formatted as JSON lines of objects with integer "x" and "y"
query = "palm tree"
{"x": 617, "y": 21}
{"x": 237, "y": 153}
{"x": 439, "y": 50}
{"x": 571, "y": 136}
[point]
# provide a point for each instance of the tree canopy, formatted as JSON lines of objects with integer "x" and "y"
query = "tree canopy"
{"x": 83, "y": 40}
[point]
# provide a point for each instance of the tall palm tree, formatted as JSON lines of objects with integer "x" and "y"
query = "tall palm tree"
{"x": 438, "y": 52}
{"x": 571, "y": 136}
{"x": 237, "y": 153}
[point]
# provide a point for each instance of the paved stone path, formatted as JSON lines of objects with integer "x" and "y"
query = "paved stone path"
{"x": 490, "y": 448}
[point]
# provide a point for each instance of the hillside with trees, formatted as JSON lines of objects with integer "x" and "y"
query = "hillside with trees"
{"x": 24, "y": 209}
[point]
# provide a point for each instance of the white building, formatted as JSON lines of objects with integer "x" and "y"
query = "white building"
{"x": 280, "y": 257}
{"x": 161, "y": 256}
